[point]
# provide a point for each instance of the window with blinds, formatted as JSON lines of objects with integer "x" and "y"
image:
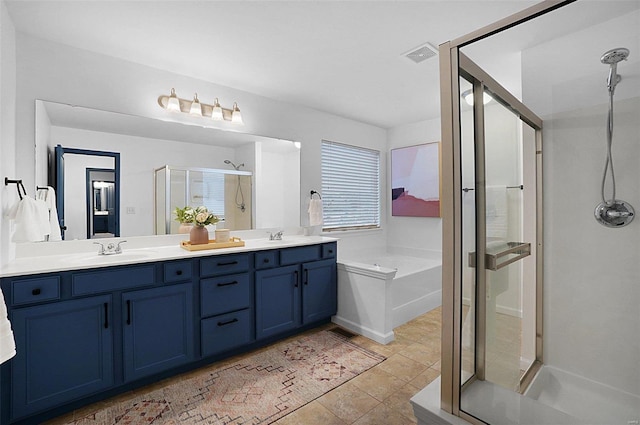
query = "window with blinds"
{"x": 350, "y": 187}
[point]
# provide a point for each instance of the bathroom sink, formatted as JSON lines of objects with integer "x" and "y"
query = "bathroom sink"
{"x": 112, "y": 258}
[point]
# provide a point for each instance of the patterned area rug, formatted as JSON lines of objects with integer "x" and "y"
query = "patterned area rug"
{"x": 259, "y": 389}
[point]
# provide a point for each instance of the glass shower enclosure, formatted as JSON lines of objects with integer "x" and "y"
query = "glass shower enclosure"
{"x": 540, "y": 300}
{"x": 226, "y": 193}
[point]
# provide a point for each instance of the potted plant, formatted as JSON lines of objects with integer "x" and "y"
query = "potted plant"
{"x": 184, "y": 216}
{"x": 201, "y": 218}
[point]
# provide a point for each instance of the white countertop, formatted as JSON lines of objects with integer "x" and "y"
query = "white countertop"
{"x": 51, "y": 260}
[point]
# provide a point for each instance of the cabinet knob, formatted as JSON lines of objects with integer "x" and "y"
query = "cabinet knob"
{"x": 179, "y": 272}
{"x": 266, "y": 260}
{"x": 36, "y": 291}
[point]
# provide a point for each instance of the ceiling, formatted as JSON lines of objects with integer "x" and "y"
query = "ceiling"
{"x": 342, "y": 57}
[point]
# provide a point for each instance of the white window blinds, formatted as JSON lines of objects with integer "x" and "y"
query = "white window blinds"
{"x": 350, "y": 187}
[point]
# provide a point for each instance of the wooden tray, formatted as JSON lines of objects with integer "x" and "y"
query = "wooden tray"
{"x": 233, "y": 242}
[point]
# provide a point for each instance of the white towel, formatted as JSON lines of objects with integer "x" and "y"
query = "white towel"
{"x": 31, "y": 218}
{"x": 49, "y": 198}
{"x": 7, "y": 343}
{"x": 315, "y": 212}
{"x": 496, "y": 198}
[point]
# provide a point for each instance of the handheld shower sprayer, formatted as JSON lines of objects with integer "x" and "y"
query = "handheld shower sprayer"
{"x": 611, "y": 58}
{"x": 239, "y": 195}
{"x": 237, "y": 167}
{"x": 612, "y": 212}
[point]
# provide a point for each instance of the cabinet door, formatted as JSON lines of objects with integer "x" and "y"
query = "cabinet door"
{"x": 319, "y": 290}
{"x": 277, "y": 300}
{"x": 158, "y": 329}
{"x": 64, "y": 352}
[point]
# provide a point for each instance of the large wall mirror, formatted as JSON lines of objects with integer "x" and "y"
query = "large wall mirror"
{"x": 145, "y": 145}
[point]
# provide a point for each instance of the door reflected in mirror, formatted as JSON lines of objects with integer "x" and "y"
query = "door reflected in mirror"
{"x": 101, "y": 205}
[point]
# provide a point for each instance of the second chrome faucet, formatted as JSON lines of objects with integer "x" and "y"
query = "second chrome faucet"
{"x": 110, "y": 249}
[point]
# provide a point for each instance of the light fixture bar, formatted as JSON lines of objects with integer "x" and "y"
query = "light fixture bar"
{"x": 185, "y": 107}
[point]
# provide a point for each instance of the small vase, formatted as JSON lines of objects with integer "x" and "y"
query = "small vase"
{"x": 185, "y": 228}
{"x": 199, "y": 235}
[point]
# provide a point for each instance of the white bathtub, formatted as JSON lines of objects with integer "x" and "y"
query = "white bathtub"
{"x": 383, "y": 291}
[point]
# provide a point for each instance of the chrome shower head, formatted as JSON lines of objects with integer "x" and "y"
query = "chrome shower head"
{"x": 614, "y": 56}
{"x": 237, "y": 167}
{"x": 611, "y": 58}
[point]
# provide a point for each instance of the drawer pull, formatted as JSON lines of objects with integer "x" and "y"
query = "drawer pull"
{"x": 228, "y": 322}
{"x": 229, "y": 263}
{"x": 106, "y": 315}
{"x": 297, "y": 280}
{"x": 179, "y": 272}
{"x": 128, "y": 312}
{"x": 36, "y": 291}
{"x": 235, "y": 282}
{"x": 306, "y": 276}
{"x": 266, "y": 260}
{"x": 331, "y": 251}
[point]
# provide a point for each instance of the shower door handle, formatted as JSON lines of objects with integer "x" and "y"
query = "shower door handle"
{"x": 519, "y": 249}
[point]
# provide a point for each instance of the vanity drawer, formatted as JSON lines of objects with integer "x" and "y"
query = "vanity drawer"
{"x": 107, "y": 280}
{"x": 299, "y": 255}
{"x": 266, "y": 259}
{"x": 226, "y": 331}
{"x": 224, "y": 264}
{"x": 177, "y": 271}
{"x": 225, "y": 293}
{"x": 329, "y": 250}
{"x": 34, "y": 290}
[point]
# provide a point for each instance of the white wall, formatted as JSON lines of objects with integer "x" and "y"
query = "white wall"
{"x": 592, "y": 273}
{"x": 8, "y": 194}
{"x": 59, "y": 73}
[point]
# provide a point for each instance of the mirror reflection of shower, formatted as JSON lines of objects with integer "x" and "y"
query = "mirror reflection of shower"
{"x": 239, "y": 195}
{"x": 612, "y": 212}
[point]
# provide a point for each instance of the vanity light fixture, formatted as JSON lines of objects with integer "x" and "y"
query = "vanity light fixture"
{"x": 467, "y": 95}
{"x": 235, "y": 114}
{"x": 216, "y": 111}
{"x": 173, "y": 103}
{"x": 195, "y": 107}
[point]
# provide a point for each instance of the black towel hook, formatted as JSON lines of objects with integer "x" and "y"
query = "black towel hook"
{"x": 313, "y": 192}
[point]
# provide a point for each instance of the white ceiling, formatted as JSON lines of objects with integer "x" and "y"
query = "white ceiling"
{"x": 343, "y": 57}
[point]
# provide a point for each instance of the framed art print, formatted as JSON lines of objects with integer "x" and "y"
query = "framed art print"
{"x": 415, "y": 181}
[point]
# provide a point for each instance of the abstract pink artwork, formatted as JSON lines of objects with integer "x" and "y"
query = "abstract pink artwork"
{"x": 415, "y": 181}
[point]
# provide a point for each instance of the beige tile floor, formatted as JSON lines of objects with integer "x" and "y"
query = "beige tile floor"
{"x": 378, "y": 396}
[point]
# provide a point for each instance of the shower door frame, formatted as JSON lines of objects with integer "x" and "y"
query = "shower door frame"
{"x": 452, "y": 61}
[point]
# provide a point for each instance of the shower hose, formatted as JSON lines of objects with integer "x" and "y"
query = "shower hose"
{"x": 608, "y": 165}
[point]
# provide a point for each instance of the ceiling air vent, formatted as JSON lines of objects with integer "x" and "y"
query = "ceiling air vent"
{"x": 422, "y": 53}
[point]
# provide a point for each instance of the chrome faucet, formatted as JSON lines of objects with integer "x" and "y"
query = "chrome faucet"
{"x": 111, "y": 248}
{"x": 275, "y": 236}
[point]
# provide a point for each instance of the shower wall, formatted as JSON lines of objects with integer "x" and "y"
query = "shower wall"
{"x": 591, "y": 273}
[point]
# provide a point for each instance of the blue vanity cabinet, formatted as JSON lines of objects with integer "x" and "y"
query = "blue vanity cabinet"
{"x": 157, "y": 329}
{"x": 277, "y": 300}
{"x": 226, "y": 303}
{"x": 302, "y": 291}
{"x": 319, "y": 290}
{"x": 64, "y": 351}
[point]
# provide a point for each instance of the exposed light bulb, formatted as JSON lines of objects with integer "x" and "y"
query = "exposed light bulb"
{"x": 216, "y": 112}
{"x": 196, "y": 108}
{"x": 235, "y": 114}
{"x": 173, "y": 104}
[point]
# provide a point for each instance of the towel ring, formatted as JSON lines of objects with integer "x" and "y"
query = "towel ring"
{"x": 313, "y": 192}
